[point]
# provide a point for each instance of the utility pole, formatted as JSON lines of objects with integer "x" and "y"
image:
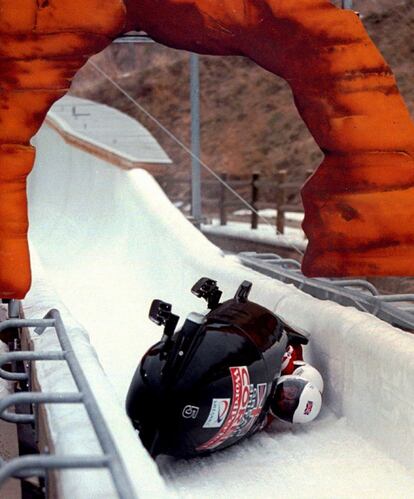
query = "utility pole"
{"x": 347, "y": 4}
{"x": 195, "y": 139}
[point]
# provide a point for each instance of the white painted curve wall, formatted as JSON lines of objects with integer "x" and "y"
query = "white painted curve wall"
{"x": 110, "y": 242}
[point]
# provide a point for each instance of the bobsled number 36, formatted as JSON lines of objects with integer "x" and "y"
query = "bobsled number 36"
{"x": 221, "y": 377}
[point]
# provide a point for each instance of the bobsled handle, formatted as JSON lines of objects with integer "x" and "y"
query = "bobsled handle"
{"x": 207, "y": 288}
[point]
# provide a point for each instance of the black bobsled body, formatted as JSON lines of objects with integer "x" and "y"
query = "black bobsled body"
{"x": 210, "y": 384}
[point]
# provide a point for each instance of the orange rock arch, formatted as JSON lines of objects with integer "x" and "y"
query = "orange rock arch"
{"x": 358, "y": 205}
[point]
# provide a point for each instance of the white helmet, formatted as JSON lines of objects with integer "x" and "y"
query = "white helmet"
{"x": 308, "y": 372}
{"x": 296, "y": 400}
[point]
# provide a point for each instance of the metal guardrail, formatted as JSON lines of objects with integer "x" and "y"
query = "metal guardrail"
{"x": 348, "y": 292}
{"x": 37, "y": 465}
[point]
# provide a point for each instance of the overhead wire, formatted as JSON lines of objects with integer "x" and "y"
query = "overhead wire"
{"x": 188, "y": 151}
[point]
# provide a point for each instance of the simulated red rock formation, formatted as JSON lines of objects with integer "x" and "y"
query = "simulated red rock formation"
{"x": 359, "y": 204}
{"x": 42, "y": 45}
{"x": 359, "y": 210}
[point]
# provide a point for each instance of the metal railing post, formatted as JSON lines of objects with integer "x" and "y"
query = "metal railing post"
{"x": 223, "y": 199}
{"x": 280, "y": 201}
{"x": 36, "y": 465}
{"x": 255, "y": 198}
{"x": 195, "y": 139}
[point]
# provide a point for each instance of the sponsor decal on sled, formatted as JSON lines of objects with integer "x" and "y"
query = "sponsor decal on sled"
{"x": 246, "y": 405}
{"x": 218, "y": 413}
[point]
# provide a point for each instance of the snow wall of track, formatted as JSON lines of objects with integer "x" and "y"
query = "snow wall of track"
{"x": 95, "y": 228}
{"x": 69, "y": 426}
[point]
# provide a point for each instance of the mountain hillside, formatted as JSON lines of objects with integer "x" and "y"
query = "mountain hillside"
{"x": 249, "y": 122}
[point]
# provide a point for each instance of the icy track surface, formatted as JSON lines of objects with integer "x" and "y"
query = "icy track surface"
{"x": 109, "y": 242}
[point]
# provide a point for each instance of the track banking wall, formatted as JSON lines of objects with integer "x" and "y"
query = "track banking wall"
{"x": 111, "y": 238}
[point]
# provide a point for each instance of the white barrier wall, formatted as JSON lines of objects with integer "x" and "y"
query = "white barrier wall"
{"x": 69, "y": 426}
{"x": 110, "y": 242}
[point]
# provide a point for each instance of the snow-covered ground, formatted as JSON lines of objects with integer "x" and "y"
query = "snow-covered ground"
{"x": 323, "y": 460}
{"x": 293, "y": 237}
{"x": 109, "y": 241}
{"x": 271, "y": 213}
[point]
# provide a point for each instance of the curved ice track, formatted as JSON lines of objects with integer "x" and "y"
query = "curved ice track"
{"x": 110, "y": 241}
